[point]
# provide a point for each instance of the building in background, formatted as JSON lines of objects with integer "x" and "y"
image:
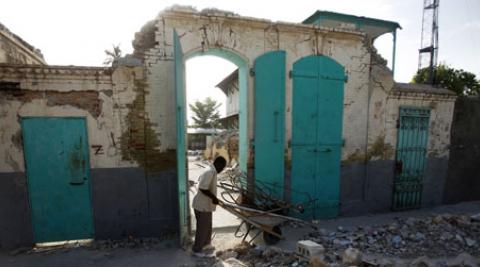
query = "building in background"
{"x": 229, "y": 87}
{"x": 197, "y": 137}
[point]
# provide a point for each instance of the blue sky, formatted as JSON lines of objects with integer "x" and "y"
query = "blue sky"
{"x": 78, "y": 32}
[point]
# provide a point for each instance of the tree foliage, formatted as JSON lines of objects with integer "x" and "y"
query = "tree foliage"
{"x": 457, "y": 80}
{"x": 112, "y": 55}
{"x": 206, "y": 113}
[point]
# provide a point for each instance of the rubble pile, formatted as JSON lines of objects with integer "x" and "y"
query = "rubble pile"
{"x": 258, "y": 256}
{"x": 434, "y": 236}
{"x": 130, "y": 242}
{"x": 442, "y": 240}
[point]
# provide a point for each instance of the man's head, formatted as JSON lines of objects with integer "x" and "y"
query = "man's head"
{"x": 219, "y": 163}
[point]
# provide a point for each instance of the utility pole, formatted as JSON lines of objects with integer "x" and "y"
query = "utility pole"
{"x": 428, "y": 52}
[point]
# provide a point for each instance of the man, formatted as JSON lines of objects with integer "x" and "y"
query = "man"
{"x": 204, "y": 204}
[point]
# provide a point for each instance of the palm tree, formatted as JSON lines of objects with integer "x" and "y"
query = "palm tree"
{"x": 112, "y": 55}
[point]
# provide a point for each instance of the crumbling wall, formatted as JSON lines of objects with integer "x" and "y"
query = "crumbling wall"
{"x": 441, "y": 107}
{"x": 128, "y": 172}
{"x": 371, "y": 102}
{"x": 368, "y": 172}
{"x": 249, "y": 38}
{"x": 14, "y": 50}
{"x": 54, "y": 91}
{"x": 367, "y": 134}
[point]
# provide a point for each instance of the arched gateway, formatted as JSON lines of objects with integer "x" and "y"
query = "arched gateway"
{"x": 264, "y": 53}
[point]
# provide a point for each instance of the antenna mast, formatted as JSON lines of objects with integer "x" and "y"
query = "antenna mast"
{"x": 427, "y": 57}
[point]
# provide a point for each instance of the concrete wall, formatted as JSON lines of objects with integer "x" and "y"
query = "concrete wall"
{"x": 250, "y": 38}
{"x": 15, "y": 225}
{"x": 368, "y": 172}
{"x": 371, "y": 102}
{"x": 133, "y": 182}
{"x": 463, "y": 182}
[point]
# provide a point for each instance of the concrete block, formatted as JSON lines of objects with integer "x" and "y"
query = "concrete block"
{"x": 309, "y": 249}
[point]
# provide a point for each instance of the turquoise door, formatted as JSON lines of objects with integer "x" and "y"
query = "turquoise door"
{"x": 410, "y": 157}
{"x": 57, "y": 166}
{"x": 317, "y": 116}
{"x": 181, "y": 144}
{"x": 270, "y": 122}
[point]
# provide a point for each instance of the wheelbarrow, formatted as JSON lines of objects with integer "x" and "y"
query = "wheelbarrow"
{"x": 266, "y": 222}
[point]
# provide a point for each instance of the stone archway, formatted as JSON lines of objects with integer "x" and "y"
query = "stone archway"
{"x": 242, "y": 63}
{"x": 241, "y": 40}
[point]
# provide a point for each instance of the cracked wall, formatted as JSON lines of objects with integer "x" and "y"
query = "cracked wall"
{"x": 139, "y": 142}
{"x": 64, "y": 92}
{"x": 250, "y": 38}
{"x": 131, "y": 179}
{"x": 368, "y": 171}
{"x": 14, "y": 50}
{"x": 369, "y": 107}
{"x": 371, "y": 102}
{"x": 384, "y": 105}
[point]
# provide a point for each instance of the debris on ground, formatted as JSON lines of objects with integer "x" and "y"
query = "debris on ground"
{"x": 130, "y": 242}
{"x": 230, "y": 262}
{"x": 434, "y": 236}
{"x": 309, "y": 249}
{"x": 352, "y": 257}
{"x": 104, "y": 245}
{"x": 20, "y": 250}
{"x": 441, "y": 240}
{"x": 252, "y": 255}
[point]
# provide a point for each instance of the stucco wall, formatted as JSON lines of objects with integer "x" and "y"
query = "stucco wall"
{"x": 250, "y": 38}
{"x": 368, "y": 172}
{"x": 55, "y": 91}
{"x": 371, "y": 103}
{"x": 128, "y": 172}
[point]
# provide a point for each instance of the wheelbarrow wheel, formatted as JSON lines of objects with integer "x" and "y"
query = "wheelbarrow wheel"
{"x": 272, "y": 239}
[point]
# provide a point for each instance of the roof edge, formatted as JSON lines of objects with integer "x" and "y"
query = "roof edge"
{"x": 317, "y": 13}
{"x": 421, "y": 88}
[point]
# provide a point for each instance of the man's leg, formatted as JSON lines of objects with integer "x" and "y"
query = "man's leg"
{"x": 208, "y": 223}
{"x": 201, "y": 234}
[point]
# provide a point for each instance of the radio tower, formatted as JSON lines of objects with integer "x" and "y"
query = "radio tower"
{"x": 427, "y": 57}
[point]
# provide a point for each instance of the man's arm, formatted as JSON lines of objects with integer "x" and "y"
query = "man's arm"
{"x": 210, "y": 195}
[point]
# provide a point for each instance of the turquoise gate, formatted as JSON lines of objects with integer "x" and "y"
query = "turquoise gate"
{"x": 57, "y": 166}
{"x": 270, "y": 122}
{"x": 317, "y": 116}
{"x": 410, "y": 157}
{"x": 180, "y": 116}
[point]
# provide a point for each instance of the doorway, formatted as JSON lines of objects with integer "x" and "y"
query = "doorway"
{"x": 412, "y": 140}
{"x": 181, "y": 123}
{"x": 212, "y": 96}
{"x": 57, "y": 166}
{"x": 317, "y": 117}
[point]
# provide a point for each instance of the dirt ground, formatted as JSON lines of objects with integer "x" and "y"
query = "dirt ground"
{"x": 169, "y": 255}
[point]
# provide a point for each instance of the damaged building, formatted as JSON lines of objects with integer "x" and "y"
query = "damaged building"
{"x": 99, "y": 152}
